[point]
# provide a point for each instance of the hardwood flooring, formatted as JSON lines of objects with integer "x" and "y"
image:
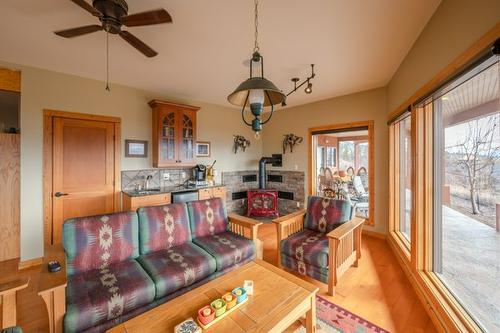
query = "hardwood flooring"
{"x": 377, "y": 290}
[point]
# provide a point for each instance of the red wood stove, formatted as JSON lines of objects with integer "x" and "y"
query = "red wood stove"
{"x": 262, "y": 203}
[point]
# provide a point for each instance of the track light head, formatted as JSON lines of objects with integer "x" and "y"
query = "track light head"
{"x": 309, "y": 88}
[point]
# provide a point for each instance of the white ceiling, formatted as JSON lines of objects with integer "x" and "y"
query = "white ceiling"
{"x": 356, "y": 45}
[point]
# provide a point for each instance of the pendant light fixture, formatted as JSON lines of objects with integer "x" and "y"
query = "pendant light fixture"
{"x": 256, "y": 92}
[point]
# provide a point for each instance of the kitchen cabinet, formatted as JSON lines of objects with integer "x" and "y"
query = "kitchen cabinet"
{"x": 212, "y": 192}
{"x": 174, "y": 134}
{"x": 133, "y": 202}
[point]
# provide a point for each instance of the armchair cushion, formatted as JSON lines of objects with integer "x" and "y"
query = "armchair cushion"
{"x": 227, "y": 248}
{"x": 307, "y": 246}
{"x": 162, "y": 227}
{"x": 325, "y": 214}
{"x": 178, "y": 267}
{"x": 100, "y": 295}
{"x": 303, "y": 268}
{"x": 207, "y": 217}
{"x": 90, "y": 242}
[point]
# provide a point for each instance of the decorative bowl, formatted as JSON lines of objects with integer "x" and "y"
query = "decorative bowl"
{"x": 219, "y": 306}
{"x": 240, "y": 293}
{"x": 206, "y": 319}
{"x": 230, "y": 300}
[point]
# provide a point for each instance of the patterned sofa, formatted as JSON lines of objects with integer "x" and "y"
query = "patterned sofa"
{"x": 120, "y": 265}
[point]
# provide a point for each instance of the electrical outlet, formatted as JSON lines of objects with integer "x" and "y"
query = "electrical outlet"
{"x": 183, "y": 174}
{"x": 298, "y": 204}
{"x": 166, "y": 176}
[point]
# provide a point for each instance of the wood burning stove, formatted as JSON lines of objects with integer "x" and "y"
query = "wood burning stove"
{"x": 264, "y": 202}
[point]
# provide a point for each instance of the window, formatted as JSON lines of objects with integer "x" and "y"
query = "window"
{"x": 466, "y": 246}
{"x": 402, "y": 178}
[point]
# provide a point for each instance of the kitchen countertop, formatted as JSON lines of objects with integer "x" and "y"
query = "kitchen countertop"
{"x": 168, "y": 189}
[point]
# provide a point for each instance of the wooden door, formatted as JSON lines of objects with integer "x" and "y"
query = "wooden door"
{"x": 83, "y": 166}
{"x": 187, "y": 136}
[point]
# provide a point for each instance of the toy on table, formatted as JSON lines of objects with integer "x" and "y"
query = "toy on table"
{"x": 219, "y": 306}
{"x": 248, "y": 286}
{"x": 230, "y": 300}
{"x": 187, "y": 326}
{"x": 240, "y": 294}
{"x": 206, "y": 315}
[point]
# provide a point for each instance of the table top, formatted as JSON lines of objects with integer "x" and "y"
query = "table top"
{"x": 276, "y": 295}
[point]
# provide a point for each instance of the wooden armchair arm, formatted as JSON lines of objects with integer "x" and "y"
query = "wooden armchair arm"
{"x": 8, "y": 308}
{"x": 345, "y": 228}
{"x": 244, "y": 226}
{"x": 52, "y": 287}
{"x": 289, "y": 224}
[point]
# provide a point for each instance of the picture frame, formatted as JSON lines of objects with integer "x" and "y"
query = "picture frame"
{"x": 136, "y": 148}
{"x": 203, "y": 149}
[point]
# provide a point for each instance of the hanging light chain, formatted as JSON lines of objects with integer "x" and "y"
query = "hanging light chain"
{"x": 107, "y": 61}
{"x": 256, "y": 45}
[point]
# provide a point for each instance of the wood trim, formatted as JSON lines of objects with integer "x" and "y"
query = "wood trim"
{"x": 10, "y": 80}
{"x": 374, "y": 234}
{"x": 30, "y": 263}
{"x": 80, "y": 116}
{"x": 155, "y": 102}
{"x": 371, "y": 159}
{"x": 48, "y": 116}
{"x": 459, "y": 62}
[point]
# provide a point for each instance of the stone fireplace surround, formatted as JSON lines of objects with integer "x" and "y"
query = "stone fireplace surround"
{"x": 292, "y": 183}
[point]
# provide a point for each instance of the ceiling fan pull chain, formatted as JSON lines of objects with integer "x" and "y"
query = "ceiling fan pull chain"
{"x": 107, "y": 61}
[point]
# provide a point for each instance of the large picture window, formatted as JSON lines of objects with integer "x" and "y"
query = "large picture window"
{"x": 466, "y": 245}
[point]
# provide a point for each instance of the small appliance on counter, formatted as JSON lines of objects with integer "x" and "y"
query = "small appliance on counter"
{"x": 200, "y": 173}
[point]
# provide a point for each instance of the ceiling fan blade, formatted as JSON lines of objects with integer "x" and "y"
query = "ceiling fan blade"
{"x": 147, "y": 18}
{"x": 138, "y": 44}
{"x": 85, "y": 5}
{"x": 75, "y": 32}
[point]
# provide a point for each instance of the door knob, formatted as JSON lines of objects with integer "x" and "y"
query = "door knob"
{"x": 59, "y": 194}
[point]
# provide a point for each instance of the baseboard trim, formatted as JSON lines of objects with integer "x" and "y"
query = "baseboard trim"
{"x": 30, "y": 263}
{"x": 375, "y": 234}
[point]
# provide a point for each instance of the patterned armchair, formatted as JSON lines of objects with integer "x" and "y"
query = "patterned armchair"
{"x": 322, "y": 242}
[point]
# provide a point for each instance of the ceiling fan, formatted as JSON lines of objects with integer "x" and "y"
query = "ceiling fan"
{"x": 113, "y": 14}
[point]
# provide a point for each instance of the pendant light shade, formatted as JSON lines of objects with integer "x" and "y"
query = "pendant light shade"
{"x": 241, "y": 95}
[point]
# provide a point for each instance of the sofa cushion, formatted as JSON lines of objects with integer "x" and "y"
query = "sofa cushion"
{"x": 324, "y": 214}
{"x": 162, "y": 227}
{"x": 177, "y": 267}
{"x": 207, "y": 217}
{"x": 227, "y": 248}
{"x": 90, "y": 242}
{"x": 308, "y": 246}
{"x": 303, "y": 268}
{"x": 97, "y": 296}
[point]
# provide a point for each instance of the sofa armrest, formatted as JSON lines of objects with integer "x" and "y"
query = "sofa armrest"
{"x": 289, "y": 224}
{"x": 52, "y": 287}
{"x": 244, "y": 226}
{"x": 346, "y": 228}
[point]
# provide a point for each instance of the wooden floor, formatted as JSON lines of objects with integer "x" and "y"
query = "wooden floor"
{"x": 377, "y": 290}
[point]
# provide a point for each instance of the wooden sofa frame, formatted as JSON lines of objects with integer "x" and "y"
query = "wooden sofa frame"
{"x": 344, "y": 244}
{"x": 52, "y": 286}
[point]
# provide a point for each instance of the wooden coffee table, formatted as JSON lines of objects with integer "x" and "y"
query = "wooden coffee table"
{"x": 279, "y": 299}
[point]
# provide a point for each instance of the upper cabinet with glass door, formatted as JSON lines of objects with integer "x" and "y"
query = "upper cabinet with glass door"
{"x": 174, "y": 134}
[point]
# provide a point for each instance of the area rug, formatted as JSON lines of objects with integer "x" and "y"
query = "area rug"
{"x": 333, "y": 318}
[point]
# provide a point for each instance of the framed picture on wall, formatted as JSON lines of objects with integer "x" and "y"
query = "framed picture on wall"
{"x": 203, "y": 149}
{"x": 136, "y": 148}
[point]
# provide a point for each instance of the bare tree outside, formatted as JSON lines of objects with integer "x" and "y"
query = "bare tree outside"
{"x": 475, "y": 153}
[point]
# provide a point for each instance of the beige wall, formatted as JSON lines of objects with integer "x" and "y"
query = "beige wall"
{"x": 41, "y": 89}
{"x": 453, "y": 28}
{"x": 367, "y": 105}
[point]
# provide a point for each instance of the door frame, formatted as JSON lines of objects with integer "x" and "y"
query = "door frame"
{"x": 48, "y": 116}
{"x": 371, "y": 159}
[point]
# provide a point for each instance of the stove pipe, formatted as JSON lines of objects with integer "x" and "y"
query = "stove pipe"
{"x": 275, "y": 160}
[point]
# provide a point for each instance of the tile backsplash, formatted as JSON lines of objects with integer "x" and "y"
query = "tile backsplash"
{"x": 130, "y": 178}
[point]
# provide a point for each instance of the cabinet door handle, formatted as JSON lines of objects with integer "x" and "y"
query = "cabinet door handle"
{"x": 59, "y": 194}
